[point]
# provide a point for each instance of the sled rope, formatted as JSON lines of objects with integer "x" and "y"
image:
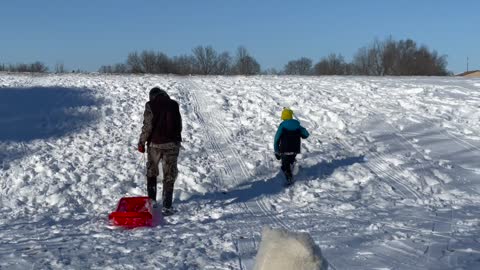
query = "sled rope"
{"x": 140, "y": 161}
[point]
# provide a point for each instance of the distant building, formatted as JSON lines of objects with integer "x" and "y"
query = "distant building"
{"x": 470, "y": 74}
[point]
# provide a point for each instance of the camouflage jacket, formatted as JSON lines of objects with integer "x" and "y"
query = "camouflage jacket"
{"x": 162, "y": 122}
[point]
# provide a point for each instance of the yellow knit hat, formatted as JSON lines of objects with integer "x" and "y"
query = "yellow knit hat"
{"x": 287, "y": 114}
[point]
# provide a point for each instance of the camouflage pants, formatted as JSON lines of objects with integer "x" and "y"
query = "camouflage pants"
{"x": 168, "y": 154}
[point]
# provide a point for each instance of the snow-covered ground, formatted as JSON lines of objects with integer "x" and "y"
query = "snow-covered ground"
{"x": 389, "y": 179}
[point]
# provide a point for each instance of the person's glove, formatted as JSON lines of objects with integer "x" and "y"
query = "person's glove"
{"x": 278, "y": 156}
{"x": 141, "y": 148}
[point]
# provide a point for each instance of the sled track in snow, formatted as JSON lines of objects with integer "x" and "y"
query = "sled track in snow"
{"x": 230, "y": 161}
{"x": 197, "y": 104}
{"x": 259, "y": 203}
{"x": 436, "y": 224}
{"x": 378, "y": 165}
{"x": 465, "y": 144}
{"x": 236, "y": 161}
{"x": 196, "y": 110}
{"x": 245, "y": 171}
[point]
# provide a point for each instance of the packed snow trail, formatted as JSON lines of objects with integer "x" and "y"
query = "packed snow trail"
{"x": 389, "y": 178}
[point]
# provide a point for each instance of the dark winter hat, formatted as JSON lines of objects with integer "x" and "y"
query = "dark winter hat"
{"x": 156, "y": 91}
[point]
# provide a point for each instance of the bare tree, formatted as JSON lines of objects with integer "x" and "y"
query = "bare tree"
{"x": 389, "y": 57}
{"x": 402, "y": 57}
{"x": 163, "y": 64}
{"x": 406, "y": 54}
{"x": 245, "y": 64}
{"x": 120, "y": 68}
{"x": 134, "y": 63}
{"x": 349, "y": 69}
{"x": 360, "y": 62}
{"x": 148, "y": 60}
{"x": 19, "y": 68}
{"x": 59, "y": 67}
{"x": 224, "y": 63}
{"x": 117, "y": 68}
{"x": 206, "y": 59}
{"x": 302, "y": 66}
{"x": 272, "y": 71}
{"x": 183, "y": 65}
{"x": 370, "y": 60}
{"x": 375, "y": 58}
{"x": 322, "y": 67}
{"x": 440, "y": 65}
{"x": 38, "y": 67}
{"x": 332, "y": 65}
{"x": 105, "y": 69}
{"x": 337, "y": 64}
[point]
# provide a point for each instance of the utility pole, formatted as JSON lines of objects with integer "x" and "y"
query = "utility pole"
{"x": 467, "y": 63}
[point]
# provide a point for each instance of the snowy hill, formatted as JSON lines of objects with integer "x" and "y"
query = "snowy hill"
{"x": 389, "y": 179}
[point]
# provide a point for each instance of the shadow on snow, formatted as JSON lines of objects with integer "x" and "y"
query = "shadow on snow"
{"x": 28, "y": 114}
{"x": 252, "y": 190}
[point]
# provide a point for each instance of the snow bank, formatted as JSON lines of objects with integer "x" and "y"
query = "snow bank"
{"x": 284, "y": 250}
{"x": 389, "y": 177}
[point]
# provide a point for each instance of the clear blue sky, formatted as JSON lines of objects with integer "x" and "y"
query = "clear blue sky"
{"x": 87, "y": 34}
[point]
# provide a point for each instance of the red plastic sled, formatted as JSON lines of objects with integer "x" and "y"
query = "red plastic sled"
{"x": 133, "y": 212}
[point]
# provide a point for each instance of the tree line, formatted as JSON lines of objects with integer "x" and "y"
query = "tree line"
{"x": 202, "y": 61}
{"x": 36, "y": 67}
{"x": 380, "y": 58}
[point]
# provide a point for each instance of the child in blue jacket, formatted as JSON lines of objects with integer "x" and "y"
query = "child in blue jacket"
{"x": 287, "y": 142}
